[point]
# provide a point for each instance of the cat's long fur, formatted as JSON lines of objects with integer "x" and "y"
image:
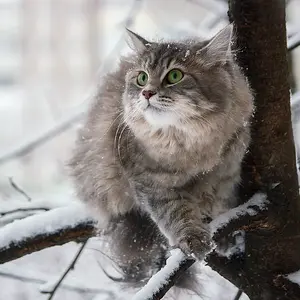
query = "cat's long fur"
{"x": 155, "y": 174}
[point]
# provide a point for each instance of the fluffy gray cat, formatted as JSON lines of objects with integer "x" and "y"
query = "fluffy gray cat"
{"x": 161, "y": 150}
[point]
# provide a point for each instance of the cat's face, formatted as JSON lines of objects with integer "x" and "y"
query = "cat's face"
{"x": 172, "y": 84}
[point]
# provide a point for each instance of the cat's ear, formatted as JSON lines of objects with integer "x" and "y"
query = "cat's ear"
{"x": 136, "y": 42}
{"x": 220, "y": 47}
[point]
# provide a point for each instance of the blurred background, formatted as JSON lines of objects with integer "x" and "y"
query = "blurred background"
{"x": 52, "y": 55}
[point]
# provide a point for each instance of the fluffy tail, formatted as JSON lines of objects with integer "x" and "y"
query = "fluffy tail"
{"x": 138, "y": 248}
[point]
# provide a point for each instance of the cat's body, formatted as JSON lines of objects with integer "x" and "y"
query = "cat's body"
{"x": 172, "y": 163}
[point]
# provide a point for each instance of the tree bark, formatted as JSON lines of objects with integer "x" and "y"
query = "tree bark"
{"x": 273, "y": 243}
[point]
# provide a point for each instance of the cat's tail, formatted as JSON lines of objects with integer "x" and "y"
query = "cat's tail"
{"x": 136, "y": 246}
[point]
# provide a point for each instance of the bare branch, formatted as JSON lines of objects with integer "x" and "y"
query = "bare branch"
{"x": 29, "y": 146}
{"x": 238, "y": 295}
{"x": 70, "y": 267}
{"x": 18, "y": 189}
{"x": 63, "y": 286}
{"x": 294, "y": 41}
{"x": 17, "y": 210}
{"x": 41, "y": 139}
{"x": 83, "y": 228}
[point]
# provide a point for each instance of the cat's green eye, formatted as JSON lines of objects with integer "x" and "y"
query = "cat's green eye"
{"x": 174, "y": 76}
{"x": 142, "y": 78}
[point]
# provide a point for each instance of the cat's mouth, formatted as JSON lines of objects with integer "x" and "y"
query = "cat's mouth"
{"x": 151, "y": 107}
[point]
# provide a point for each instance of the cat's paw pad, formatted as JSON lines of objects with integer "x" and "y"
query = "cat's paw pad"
{"x": 198, "y": 245}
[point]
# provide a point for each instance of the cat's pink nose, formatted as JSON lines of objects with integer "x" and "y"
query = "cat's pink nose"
{"x": 148, "y": 94}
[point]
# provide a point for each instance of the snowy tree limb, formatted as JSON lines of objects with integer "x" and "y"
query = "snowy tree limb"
{"x": 62, "y": 225}
{"x": 163, "y": 280}
{"x": 55, "y": 227}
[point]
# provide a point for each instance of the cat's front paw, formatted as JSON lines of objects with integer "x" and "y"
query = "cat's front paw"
{"x": 199, "y": 244}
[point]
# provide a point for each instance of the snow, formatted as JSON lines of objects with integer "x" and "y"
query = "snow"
{"x": 160, "y": 278}
{"x": 33, "y": 273}
{"x": 49, "y": 286}
{"x": 236, "y": 248}
{"x": 40, "y": 173}
{"x": 259, "y": 200}
{"x": 294, "y": 277}
{"x": 43, "y": 223}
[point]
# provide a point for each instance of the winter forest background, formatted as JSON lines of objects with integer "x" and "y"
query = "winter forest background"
{"x": 52, "y": 53}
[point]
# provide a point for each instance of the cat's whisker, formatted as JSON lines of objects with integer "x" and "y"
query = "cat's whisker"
{"x": 112, "y": 123}
{"x": 123, "y": 123}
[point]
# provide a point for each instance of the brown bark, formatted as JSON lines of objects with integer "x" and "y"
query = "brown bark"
{"x": 39, "y": 242}
{"x": 273, "y": 243}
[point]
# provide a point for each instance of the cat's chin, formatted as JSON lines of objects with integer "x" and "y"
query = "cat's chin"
{"x": 159, "y": 118}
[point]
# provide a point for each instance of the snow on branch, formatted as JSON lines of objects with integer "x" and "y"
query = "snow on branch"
{"x": 162, "y": 281}
{"x": 62, "y": 225}
{"x": 239, "y": 217}
{"x": 55, "y": 227}
{"x": 294, "y": 277}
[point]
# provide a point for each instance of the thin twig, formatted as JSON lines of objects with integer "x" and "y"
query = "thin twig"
{"x": 238, "y": 295}
{"x": 29, "y": 209}
{"x": 41, "y": 139}
{"x": 70, "y": 267}
{"x": 63, "y": 286}
{"x": 18, "y": 189}
{"x": 294, "y": 41}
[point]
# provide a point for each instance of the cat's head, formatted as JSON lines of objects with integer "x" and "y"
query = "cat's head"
{"x": 177, "y": 83}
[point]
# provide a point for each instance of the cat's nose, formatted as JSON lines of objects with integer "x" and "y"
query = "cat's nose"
{"x": 148, "y": 94}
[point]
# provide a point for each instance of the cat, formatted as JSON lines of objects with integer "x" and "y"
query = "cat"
{"x": 161, "y": 150}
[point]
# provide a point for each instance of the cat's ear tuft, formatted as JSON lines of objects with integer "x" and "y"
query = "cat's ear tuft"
{"x": 220, "y": 47}
{"x": 136, "y": 42}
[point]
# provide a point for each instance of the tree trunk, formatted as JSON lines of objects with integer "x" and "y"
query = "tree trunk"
{"x": 273, "y": 243}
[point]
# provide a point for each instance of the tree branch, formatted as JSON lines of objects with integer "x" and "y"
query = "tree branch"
{"x": 18, "y": 189}
{"x": 55, "y": 227}
{"x": 69, "y": 287}
{"x": 30, "y": 145}
{"x": 79, "y": 227}
{"x": 69, "y": 268}
{"x": 163, "y": 280}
